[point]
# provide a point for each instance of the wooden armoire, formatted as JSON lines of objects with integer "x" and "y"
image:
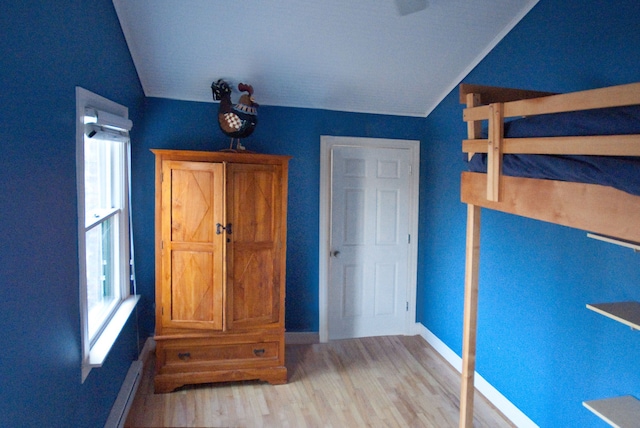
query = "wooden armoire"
{"x": 220, "y": 228}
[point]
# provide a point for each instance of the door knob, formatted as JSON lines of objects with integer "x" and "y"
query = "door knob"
{"x": 335, "y": 253}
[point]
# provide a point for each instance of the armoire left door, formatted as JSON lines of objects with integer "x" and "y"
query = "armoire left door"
{"x": 192, "y": 245}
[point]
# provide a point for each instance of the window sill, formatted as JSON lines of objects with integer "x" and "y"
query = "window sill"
{"x": 101, "y": 348}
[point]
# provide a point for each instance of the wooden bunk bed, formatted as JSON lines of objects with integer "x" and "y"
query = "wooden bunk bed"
{"x": 594, "y": 208}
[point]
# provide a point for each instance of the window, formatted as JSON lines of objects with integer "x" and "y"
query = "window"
{"x": 104, "y": 244}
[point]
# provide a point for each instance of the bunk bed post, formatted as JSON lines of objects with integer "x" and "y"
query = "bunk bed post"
{"x": 472, "y": 262}
{"x": 472, "y": 259}
{"x": 494, "y": 151}
{"x": 474, "y": 127}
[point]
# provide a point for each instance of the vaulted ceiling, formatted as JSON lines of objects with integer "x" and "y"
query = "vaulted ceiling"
{"x": 371, "y": 56}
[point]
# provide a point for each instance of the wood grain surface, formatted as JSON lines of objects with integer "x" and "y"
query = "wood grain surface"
{"x": 392, "y": 381}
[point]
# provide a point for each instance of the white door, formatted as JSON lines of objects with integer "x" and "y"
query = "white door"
{"x": 369, "y": 241}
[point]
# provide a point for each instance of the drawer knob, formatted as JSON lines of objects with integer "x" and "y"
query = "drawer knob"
{"x": 258, "y": 352}
{"x": 184, "y": 356}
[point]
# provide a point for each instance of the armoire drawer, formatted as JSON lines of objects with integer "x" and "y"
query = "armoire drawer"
{"x": 175, "y": 358}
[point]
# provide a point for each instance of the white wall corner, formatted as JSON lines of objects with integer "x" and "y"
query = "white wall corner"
{"x": 511, "y": 412}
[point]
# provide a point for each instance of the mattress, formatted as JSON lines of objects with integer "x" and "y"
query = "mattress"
{"x": 622, "y": 173}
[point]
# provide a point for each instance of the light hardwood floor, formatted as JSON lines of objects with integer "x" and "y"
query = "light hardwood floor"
{"x": 391, "y": 381}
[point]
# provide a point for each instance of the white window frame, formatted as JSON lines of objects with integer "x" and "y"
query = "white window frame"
{"x": 94, "y": 352}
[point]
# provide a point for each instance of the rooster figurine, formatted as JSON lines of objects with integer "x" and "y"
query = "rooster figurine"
{"x": 235, "y": 120}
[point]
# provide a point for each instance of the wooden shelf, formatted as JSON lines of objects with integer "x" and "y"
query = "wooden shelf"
{"x": 621, "y": 412}
{"x": 627, "y": 313}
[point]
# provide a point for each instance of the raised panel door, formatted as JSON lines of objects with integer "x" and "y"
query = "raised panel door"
{"x": 369, "y": 242}
{"x": 255, "y": 246}
{"x": 192, "y": 248}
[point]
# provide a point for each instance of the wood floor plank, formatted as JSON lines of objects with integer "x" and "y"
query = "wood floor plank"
{"x": 390, "y": 381}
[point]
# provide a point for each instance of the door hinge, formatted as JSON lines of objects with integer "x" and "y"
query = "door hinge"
{"x": 407, "y": 308}
{"x": 409, "y": 239}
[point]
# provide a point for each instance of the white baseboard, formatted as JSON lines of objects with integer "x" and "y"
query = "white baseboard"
{"x": 301, "y": 338}
{"x": 120, "y": 408}
{"x": 148, "y": 348}
{"x": 507, "y": 408}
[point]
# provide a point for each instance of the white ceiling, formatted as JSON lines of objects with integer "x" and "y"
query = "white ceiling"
{"x": 346, "y": 55}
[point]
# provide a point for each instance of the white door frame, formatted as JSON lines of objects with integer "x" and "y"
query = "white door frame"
{"x": 327, "y": 143}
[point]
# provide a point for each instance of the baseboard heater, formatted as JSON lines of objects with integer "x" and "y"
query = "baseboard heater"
{"x": 120, "y": 409}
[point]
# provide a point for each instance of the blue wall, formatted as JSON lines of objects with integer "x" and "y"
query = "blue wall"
{"x": 537, "y": 343}
{"x": 292, "y": 131}
{"x": 47, "y": 49}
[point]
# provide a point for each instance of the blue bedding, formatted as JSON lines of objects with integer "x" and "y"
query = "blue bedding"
{"x": 622, "y": 173}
